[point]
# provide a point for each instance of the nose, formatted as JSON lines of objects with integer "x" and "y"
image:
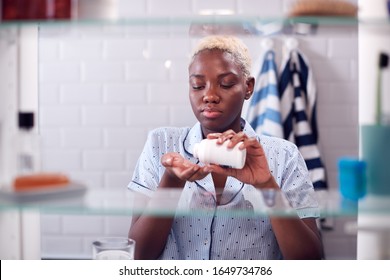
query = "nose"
{"x": 211, "y": 96}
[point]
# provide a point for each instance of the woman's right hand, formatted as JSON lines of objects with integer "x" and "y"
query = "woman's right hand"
{"x": 255, "y": 171}
{"x": 179, "y": 168}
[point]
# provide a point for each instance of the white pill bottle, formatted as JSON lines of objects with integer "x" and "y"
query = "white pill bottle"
{"x": 208, "y": 151}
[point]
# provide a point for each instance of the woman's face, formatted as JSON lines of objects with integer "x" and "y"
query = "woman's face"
{"x": 217, "y": 90}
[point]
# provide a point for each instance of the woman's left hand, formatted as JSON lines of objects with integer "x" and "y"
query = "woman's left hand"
{"x": 177, "y": 166}
{"x": 255, "y": 171}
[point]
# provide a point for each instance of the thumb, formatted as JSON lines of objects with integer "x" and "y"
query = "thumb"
{"x": 167, "y": 161}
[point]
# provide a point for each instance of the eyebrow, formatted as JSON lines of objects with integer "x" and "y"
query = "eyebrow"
{"x": 222, "y": 75}
{"x": 196, "y": 76}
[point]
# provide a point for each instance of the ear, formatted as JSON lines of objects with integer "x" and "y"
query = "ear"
{"x": 250, "y": 85}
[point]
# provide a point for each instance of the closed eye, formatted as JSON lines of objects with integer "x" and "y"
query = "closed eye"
{"x": 194, "y": 87}
{"x": 227, "y": 86}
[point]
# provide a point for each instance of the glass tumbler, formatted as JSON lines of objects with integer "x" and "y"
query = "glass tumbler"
{"x": 113, "y": 248}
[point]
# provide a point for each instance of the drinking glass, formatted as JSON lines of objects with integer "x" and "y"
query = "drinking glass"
{"x": 113, "y": 248}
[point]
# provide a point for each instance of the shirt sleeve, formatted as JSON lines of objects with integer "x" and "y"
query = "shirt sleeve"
{"x": 297, "y": 186}
{"x": 146, "y": 174}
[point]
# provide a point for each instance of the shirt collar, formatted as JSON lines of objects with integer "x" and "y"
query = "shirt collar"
{"x": 248, "y": 130}
{"x": 194, "y": 136}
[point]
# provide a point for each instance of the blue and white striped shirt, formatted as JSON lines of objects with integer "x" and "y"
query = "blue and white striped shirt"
{"x": 214, "y": 234}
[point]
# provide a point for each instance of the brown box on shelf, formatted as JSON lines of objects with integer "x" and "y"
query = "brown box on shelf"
{"x": 39, "y": 181}
{"x": 323, "y": 8}
{"x": 35, "y": 9}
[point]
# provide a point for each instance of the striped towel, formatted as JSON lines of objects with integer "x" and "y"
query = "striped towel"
{"x": 264, "y": 109}
{"x": 298, "y": 109}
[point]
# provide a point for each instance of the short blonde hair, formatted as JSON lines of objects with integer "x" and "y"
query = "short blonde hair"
{"x": 229, "y": 44}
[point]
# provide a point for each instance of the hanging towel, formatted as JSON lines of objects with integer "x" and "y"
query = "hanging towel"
{"x": 298, "y": 109}
{"x": 264, "y": 109}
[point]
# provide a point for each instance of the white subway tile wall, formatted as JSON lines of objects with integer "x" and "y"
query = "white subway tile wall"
{"x": 103, "y": 88}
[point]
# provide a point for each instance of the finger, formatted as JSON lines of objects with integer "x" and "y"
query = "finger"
{"x": 226, "y": 136}
{"x": 237, "y": 138}
{"x": 219, "y": 170}
{"x": 213, "y": 135}
{"x": 202, "y": 172}
{"x": 174, "y": 160}
{"x": 253, "y": 145}
{"x": 188, "y": 172}
{"x": 193, "y": 174}
{"x": 167, "y": 160}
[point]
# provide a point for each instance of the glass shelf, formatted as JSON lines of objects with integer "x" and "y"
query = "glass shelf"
{"x": 212, "y": 24}
{"x": 246, "y": 24}
{"x": 208, "y": 19}
{"x": 223, "y": 19}
{"x": 125, "y": 202}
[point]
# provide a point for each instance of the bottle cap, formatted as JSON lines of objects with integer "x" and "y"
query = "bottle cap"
{"x": 26, "y": 120}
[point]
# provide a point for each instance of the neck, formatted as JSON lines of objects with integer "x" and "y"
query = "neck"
{"x": 237, "y": 126}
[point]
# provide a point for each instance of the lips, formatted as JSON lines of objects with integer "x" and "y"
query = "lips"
{"x": 211, "y": 113}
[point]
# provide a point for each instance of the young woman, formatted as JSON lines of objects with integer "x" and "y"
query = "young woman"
{"x": 219, "y": 83}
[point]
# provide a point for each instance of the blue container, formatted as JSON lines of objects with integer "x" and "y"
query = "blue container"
{"x": 352, "y": 178}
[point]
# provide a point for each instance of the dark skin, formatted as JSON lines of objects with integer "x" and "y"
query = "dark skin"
{"x": 218, "y": 89}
